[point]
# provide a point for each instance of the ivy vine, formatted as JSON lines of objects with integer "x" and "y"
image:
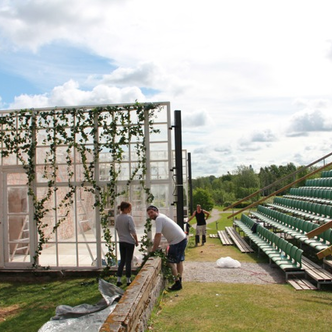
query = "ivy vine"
{"x": 85, "y": 132}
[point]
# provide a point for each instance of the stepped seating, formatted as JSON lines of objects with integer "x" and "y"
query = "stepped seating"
{"x": 295, "y": 227}
{"x": 319, "y": 213}
{"x": 326, "y": 174}
{"x": 301, "y": 211}
{"x": 319, "y": 182}
{"x": 284, "y": 254}
{"x": 322, "y": 196}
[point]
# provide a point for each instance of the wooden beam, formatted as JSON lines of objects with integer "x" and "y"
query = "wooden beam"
{"x": 325, "y": 252}
{"x": 319, "y": 230}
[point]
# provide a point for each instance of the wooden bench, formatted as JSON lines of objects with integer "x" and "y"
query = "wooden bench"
{"x": 301, "y": 284}
{"x": 224, "y": 238}
{"x": 243, "y": 246}
{"x": 316, "y": 272}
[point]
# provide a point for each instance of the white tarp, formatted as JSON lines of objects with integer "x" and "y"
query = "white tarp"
{"x": 228, "y": 262}
{"x": 85, "y": 317}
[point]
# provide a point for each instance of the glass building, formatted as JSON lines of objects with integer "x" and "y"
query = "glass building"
{"x": 63, "y": 170}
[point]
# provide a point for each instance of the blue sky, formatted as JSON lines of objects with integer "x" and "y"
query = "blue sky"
{"x": 252, "y": 78}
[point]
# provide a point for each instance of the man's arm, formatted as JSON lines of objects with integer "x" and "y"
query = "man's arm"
{"x": 193, "y": 215}
{"x": 207, "y": 214}
{"x": 156, "y": 242}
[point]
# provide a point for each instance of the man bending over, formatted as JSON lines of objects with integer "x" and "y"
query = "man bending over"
{"x": 176, "y": 239}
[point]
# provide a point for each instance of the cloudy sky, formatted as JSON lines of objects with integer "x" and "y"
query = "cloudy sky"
{"x": 253, "y": 79}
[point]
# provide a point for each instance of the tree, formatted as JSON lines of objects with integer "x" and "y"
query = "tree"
{"x": 246, "y": 181}
{"x": 204, "y": 198}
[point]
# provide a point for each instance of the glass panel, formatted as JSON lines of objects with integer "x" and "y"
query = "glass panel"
{"x": 79, "y": 175}
{"x": 88, "y": 154}
{"x": 48, "y": 255}
{"x": 17, "y": 200}
{"x": 10, "y": 160}
{"x": 159, "y": 151}
{"x": 159, "y": 170}
{"x": 105, "y": 156}
{"x": 87, "y": 254}
{"x": 161, "y": 116}
{"x": 162, "y": 135}
{"x": 87, "y": 140}
{"x": 62, "y": 154}
{"x": 124, "y": 171}
{"x": 67, "y": 254}
{"x": 66, "y": 230}
{"x": 41, "y": 136}
{"x": 64, "y": 173}
{"x": 16, "y": 178}
{"x": 161, "y": 196}
{"x": 86, "y": 213}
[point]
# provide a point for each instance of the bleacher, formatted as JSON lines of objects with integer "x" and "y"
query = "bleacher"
{"x": 281, "y": 227}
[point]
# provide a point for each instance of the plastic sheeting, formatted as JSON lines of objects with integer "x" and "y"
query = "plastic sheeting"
{"x": 85, "y": 317}
{"x": 228, "y": 262}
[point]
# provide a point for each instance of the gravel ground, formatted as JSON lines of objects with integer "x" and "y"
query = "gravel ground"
{"x": 248, "y": 273}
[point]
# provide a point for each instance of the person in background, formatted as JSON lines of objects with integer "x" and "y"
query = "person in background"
{"x": 176, "y": 239}
{"x": 125, "y": 227}
{"x": 201, "y": 223}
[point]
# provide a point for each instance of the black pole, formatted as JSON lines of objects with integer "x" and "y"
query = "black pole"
{"x": 190, "y": 185}
{"x": 178, "y": 168}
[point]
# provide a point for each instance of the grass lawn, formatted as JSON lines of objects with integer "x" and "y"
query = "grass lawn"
{"x": 228, "y": 307}
{"x": 242, "y": 307}
{"x": 27, "y": 305}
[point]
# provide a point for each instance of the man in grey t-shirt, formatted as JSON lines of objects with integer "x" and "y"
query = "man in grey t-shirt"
{"x": 176, "y": 239}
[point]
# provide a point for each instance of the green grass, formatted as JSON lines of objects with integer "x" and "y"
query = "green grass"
{"x": 242, "y": 307}
{"x": 228, "y": 307}
{"x": 27, "y": 305}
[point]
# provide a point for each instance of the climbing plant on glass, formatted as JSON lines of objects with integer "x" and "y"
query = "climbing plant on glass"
{"x": 83, "y": 133}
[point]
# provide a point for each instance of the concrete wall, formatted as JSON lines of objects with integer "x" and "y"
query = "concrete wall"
{"x": 134, "y": 308}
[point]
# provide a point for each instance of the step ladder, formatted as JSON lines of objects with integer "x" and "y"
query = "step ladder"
{"x": 22, "y": 243}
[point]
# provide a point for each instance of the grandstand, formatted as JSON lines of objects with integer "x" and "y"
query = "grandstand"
{"x": 280, "y": 228}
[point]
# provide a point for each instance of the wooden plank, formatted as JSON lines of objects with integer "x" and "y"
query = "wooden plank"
{"x": 238, "y": 240}
{"x": 327, "y": 262}
{"x": 213, "y": 235}
{"x": 319, "y": 229}
{"x": 325, "y": 252}
{"x": 225, "y": 240}
{"x": 316, "y": 272}
{"x": 301, "y": 284}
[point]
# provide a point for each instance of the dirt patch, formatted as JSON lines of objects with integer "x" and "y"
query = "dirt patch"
{"x": 8, "y": 311}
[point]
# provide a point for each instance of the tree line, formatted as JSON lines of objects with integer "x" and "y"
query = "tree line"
{"x": 227, "y": 189}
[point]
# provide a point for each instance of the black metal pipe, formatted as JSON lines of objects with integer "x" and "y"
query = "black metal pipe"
{"x": 190, "y": 186}
{"x": 179, "y": 168}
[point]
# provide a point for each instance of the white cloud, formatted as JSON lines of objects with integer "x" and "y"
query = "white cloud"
{"x": 249, "y": 87}
{"x": 196, "y": 119}
{"x": 70, "y": 94}
{"x": 307, "y": 121}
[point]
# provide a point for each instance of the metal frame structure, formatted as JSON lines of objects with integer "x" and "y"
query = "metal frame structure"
{"x": 78, "y": 242}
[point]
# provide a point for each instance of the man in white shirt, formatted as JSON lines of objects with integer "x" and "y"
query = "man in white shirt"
{"x": 176, "y": 239}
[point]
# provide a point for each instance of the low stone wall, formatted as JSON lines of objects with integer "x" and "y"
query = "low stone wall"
{"x": 134, "y": 308}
